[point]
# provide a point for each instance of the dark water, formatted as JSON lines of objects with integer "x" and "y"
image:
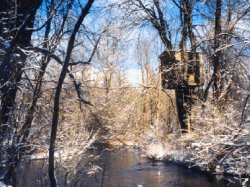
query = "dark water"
{"x": 121, "y": 168}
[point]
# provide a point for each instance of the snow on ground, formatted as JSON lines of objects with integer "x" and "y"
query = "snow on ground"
{"x": 4, "y": 185}
{"x": 156, "y": 150}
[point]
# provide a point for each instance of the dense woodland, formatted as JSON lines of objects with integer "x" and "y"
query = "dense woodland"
{"x": 75, "y": 73}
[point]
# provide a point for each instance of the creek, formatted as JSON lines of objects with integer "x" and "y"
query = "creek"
{"x": 120, "y": 168}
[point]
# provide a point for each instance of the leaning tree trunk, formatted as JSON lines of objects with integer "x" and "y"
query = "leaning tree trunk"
{"x": 25, "y": 130}
{"x": 63, "y": 73}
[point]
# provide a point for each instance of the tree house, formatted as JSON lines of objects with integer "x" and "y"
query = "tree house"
{"x": 176, "y": 73}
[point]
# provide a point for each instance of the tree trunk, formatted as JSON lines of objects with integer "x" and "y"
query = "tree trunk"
{"x": 24, "y": 133}
{"x": 55, "y": 117}
{"x": 23, "y": 14}
{"x": 217, "y": 52}
{"x": 183, "y": 91}
{"x": 183, "y": 105}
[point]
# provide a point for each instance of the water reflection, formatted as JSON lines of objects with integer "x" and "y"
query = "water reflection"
{"x": 121, "y": 168}
{"x": 32, "y": 173}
